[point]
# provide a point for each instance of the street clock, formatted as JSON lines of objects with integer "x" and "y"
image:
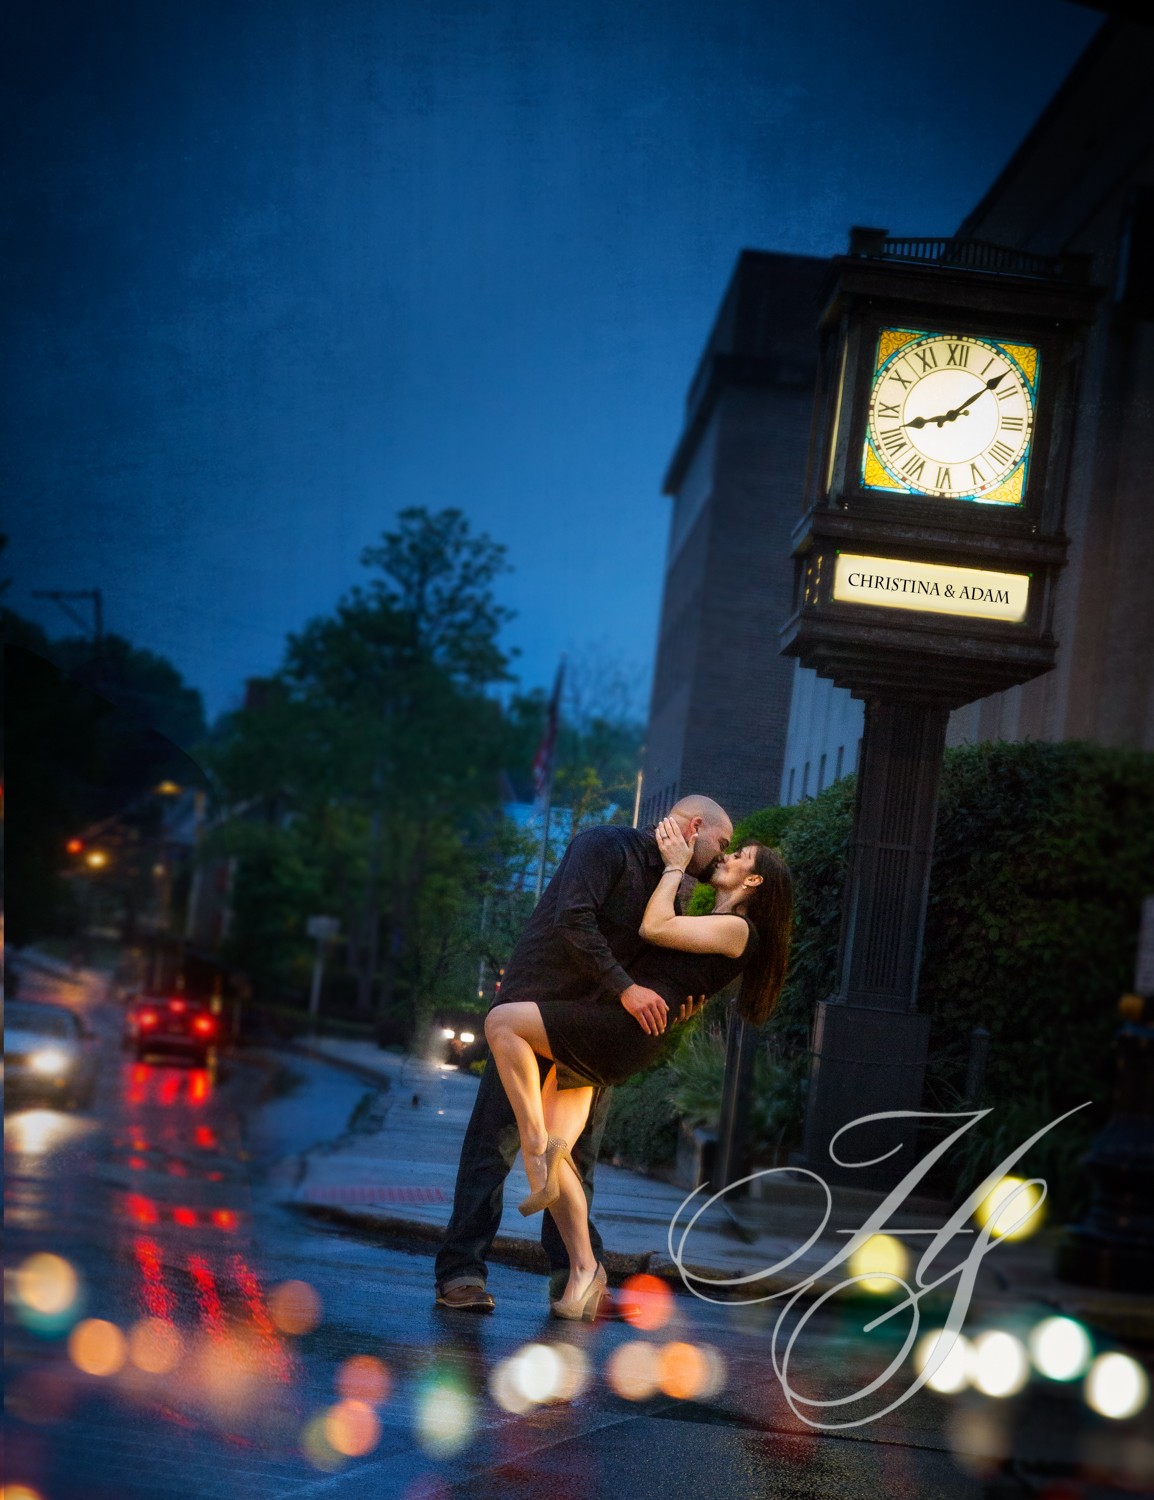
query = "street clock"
{"x": 932, "y": 538}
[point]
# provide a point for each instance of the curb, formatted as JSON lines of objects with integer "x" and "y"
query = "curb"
{"x": 368, "y": 1075}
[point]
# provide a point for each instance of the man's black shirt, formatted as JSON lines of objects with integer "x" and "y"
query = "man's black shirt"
{"x": 585, "y": 931}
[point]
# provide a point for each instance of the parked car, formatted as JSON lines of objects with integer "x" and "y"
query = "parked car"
{"x": 49, "y": 1055}
{"x": 171, "y": 1025}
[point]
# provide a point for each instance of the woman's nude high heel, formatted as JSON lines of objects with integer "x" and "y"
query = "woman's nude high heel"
{"x": 556, "y": 1151}
{"x": 583, "y": 1309}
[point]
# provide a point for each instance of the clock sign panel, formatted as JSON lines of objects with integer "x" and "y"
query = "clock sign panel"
{"x": 950, "y": 416}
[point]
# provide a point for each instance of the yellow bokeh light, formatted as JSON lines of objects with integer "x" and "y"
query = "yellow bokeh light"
{"x": 998, "y": 1364}
{"x": 1060, "y": 1348}
{"x": 1012, "y": 1209}
{"x": 19, "y": 1492}
{"x": 352, "y": 1428}
{"x": 316, "y": 1447}
{"x": 1117, "y": 1386}
{"x": 880, "y": 1260}
{"x": 47, "y": 1284}
{"x": 445, "y": 1419}
{"x": 952, "y": 1375}
{"x": 363, "y": 1378}
{"x": 96, "y": 859}
{"x": 97, "y": 1347}
{"x": 632, "y": 1370}
{"x": 682, "y": 1371}
{"x": 155, "y": 1346}
{"x": 294, "y": 1307}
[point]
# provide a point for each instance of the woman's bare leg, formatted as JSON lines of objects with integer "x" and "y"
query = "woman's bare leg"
{"x": 516, "y": 1037}
{"x": 566, "y": 1111}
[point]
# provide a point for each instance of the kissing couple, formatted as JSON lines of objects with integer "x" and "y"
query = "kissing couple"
{"x": 603, "y": 963}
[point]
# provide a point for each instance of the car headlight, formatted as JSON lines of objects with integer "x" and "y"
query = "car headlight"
{"x": 50, "y": 1060}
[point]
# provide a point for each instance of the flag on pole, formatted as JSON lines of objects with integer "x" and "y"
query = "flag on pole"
{"x": 543, "y": 760}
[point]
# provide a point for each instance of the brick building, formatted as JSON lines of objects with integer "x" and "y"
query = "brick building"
{"x": 720, "y": 700}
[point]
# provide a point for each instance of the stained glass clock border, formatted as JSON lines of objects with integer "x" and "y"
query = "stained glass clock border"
{"x": 880, "y": 471}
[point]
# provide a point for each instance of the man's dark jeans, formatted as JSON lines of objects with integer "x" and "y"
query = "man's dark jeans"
{"x": 491, "y": 1143}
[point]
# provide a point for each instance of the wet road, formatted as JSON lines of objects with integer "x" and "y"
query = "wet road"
{"x": 220, "y": 1344}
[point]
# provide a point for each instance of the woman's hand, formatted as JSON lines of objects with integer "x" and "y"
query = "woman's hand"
{"x": 671, "y": 842}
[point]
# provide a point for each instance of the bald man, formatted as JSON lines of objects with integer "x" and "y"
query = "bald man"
{"x": 580, "y": 941}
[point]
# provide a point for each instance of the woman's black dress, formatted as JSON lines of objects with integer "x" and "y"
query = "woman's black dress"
{"x": 598, "y": 1042}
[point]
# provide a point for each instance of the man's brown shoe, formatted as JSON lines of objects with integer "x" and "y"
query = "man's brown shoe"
{"x": 466, "y": 1299}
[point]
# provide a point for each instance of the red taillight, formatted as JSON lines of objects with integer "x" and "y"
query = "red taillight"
{"x": 178, "y": 1007}
{"x": 147, "y": 1018}
{"x": 204, "y": 1024}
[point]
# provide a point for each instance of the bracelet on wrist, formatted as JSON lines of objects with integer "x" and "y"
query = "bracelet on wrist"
{"x": 673, "y": 870}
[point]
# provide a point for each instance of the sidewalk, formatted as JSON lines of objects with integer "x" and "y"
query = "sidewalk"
{"x": 397, "y": 1179}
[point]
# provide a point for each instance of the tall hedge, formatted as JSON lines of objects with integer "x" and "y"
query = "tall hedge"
{"x": 1042, "y": 855}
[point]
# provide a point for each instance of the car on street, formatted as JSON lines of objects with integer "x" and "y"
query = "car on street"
{"x": 171, "y": 1026}
{"x": 49, "y": 1055}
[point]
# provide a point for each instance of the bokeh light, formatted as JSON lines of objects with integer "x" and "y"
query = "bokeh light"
{"x": 97, "y": 1347}
{"x": 352, "y": 1428}
{"x": 1117, "y": 1386}
{"x": 646, "y": 1302}
{"x": 682, "y": 1371}
{"x": 155, "y": 1346}
{"x": 1060, "y": 1348}
{"x": 538, "y": 1372}
{"x": 952, "y": 1375}
{"x": 633, "y": 1370}
{"x": 294, "y": 1307}
{"x": 880, "y": 1259}
{"x": 1011, "y": 1208}
{"x": 316, "y": 1447}
{"x": 47, "y": 1284}
{"x": 445, "y": 1417}
{"x": 505, "y": 1388}
{"x": 998, "y": 1363}
{"x": 363, "y": 1378}
{"x": 19, "y": 1492}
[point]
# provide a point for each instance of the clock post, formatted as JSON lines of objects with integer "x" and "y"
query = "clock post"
{"x": 925, "y": 567}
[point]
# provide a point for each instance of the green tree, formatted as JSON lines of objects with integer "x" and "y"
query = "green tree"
{"x": 381, "y": 739}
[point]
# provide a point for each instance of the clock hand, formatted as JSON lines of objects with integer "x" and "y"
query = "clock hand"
{"x": 957, "y": 411}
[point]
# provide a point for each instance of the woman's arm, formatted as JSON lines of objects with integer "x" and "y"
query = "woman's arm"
{"x": 665, "y": 929}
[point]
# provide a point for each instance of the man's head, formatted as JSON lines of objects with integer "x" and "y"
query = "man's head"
{"x": 701, "y": 819}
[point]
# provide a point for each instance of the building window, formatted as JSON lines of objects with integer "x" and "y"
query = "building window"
{"x": 840, "y": 758}
{"x": 821, "y": 774}
{"x": 805, "y": 782}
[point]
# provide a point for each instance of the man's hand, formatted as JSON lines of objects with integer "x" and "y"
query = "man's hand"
{"x": 689, "y": 1009}
{"x": 646, "y": 1007}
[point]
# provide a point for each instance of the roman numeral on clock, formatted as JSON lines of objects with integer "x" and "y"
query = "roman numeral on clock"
{"x": 1000, "y": 452}
{"x": 943, "y": 481}
{"x": 913, "y": 466}
{"x": 1007, "y": 393}
{"x": 896, "y": 374}
{"x": 893, "y": 440}
{"x": 926, "y": 358}
{"x": 885, "y": 410}
{"x": 958, "y": 354}
{"x": 1013, "y": 424}
{"x": 976, "y": 475}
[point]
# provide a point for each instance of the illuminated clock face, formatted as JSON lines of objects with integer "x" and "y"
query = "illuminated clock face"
{"x": 950, "y": 415}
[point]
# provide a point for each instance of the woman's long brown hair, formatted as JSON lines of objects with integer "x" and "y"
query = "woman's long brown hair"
{"x": 769, "y": 908}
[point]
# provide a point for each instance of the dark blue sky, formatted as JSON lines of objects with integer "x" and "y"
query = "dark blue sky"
{"x": 284, "y": 267}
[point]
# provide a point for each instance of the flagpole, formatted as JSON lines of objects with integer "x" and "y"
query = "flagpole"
{"x": 544, "y": 841}
{"x": 543, "y": 773}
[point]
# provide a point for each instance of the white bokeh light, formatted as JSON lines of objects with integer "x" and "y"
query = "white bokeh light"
{"x": 1060, "y": 1348}
{"x": 998, "y": 1363}
{"x": 952, "y": 1375}
{"x": 1117, "y": 1386}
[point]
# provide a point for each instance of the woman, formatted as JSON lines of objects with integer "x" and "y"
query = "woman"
{"x": 599, "y": 1043}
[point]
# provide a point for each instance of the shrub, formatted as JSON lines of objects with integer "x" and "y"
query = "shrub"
{"x": 776, "y": 1108}
{"x": 641, "y": 1129}
{"x": 1042, "y": 855}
